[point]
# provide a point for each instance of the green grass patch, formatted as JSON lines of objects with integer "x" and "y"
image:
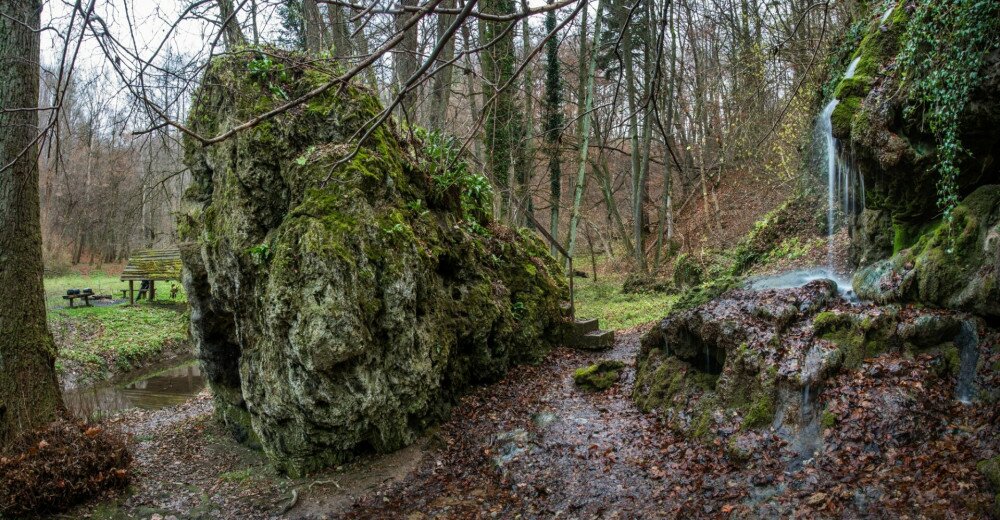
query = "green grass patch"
{"x": 115, "y": 338}
{"x": 605, "y": 301}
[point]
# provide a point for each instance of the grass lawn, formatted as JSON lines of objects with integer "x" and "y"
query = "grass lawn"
{"x": 102, "y": 341}
{"x": 605, "y": 301}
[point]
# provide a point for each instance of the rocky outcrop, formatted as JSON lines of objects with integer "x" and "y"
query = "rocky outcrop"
{"x": 883, "y": 119}
{"x": 905, "y": 128}
{"x": 955, "y": 266}
{"x": 344, "y": 293}
{"x": 750, "y": 359}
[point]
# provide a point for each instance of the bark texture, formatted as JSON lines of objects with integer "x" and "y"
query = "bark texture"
{"x": 29, "y": 392}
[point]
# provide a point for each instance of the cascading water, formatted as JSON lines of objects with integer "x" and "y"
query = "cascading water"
{"x": 842, "y": 177}
{"x": 887, "y": 14}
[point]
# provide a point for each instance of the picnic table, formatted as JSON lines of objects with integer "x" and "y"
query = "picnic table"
{"x": 86, "y": 296}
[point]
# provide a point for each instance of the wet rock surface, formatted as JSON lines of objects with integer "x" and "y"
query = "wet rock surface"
{"x": 956, "y": 266}
{"x": 762, "y": 357}
{"x": 341, "y": 302}
{"x": 892, "y": 441}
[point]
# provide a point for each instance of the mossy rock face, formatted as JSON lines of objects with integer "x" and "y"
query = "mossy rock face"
{"x": 953, "y": 265}
{"x": 340, "y": 306}
{"x": 720, "y": 359}
{"x": 882, "y": 119}
{"x": 687, "y": 271}
{"x": 751, "y": 359}
{"x": 599, "y": 376}
{"x": 990, "y": 468}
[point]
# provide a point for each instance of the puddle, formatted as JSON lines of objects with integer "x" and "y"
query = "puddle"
{"x": 161, "y": 389}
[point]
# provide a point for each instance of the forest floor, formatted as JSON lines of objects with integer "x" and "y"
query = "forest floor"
{"x": 111, "y": 339}
{"x": 534, "y": 445}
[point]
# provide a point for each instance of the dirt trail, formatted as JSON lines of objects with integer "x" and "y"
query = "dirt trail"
{"x": 536, "y": 444}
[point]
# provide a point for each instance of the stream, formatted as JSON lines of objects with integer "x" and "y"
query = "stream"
{"x": 160, "y": 389}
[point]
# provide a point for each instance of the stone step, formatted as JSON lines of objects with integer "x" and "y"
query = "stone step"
{"x": 595, "y": 340}
{"x": 581, "y": 327}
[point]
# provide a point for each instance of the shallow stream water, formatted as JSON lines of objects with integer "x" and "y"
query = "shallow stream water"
{"x": 150, "y": 392}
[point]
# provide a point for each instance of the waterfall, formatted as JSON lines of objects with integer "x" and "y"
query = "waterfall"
{"x": 826, "y": 130}
{"x": 842, "y": 177}
{"x": 852, "y": 68}
{"x": 968, "y": 344}
{"x": 888, "y": 13}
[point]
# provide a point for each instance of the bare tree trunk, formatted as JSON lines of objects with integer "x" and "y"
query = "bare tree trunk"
{"x": 441, "y": 88}
{"x": 588, "y": 105}
{"x": 29, "y": 392}
{"x": 634, "y": 152}
{"x": 524, "y": 164}
{"x": 315, "y": 29}
{"x": 404, "y": 57}
{"x": 666, "y": 211}
{"x": 339, "y": 34}
{"x": 231, "y": 32}
{"x": 253, "y": 22}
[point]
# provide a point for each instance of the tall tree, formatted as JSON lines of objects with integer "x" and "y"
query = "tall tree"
{"x": 231, "y": 32}
{"x": 442, "y": 81}
{"x": 553, "y": 123}
{"x": 588, "y": 106}
{"x": 29, "y": 392}
{"x": 498, "y": 71}
{"x": 314, "y": 28}
{"x": 340, "y": 34}
{"x": 524, "y": 157}
{"x": 404, "y": 57}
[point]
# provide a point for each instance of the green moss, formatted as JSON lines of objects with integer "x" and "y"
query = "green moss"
{"x": 858, "y": 86}
{"x": 828, "y": 321}
{"x": 843, "y": 116}
{"x": 656, "y": 388}
{"x": 990, "y": 468}
{"x": 852, "y": 344}
{"x": 760, "y": 412}
{"x": 599, "y": 376}
{"x": 828, "y": 420}
{"x": 687, "y": 271}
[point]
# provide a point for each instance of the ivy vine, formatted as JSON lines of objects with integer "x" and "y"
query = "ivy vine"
{"x": 944, "y": 47}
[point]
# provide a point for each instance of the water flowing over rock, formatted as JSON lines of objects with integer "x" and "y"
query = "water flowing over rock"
{"x": 342, "y": 306}
{"x": 883, "y": 121}
{"x": 754, "y": 358}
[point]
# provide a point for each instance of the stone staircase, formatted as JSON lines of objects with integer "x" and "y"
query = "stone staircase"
{"x": 587, "y": 335}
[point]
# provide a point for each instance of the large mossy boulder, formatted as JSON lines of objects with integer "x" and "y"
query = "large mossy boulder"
{"x": 954, "y": 265}
{"x": 344, "y": 293}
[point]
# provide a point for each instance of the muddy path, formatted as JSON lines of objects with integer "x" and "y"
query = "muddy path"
{"x": 536, "y": 445}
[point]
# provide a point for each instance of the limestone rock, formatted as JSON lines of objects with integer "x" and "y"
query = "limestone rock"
{"x": 341, "y": 303}
{"x": 955, "y": 266}
{"x": 750, "y": 359}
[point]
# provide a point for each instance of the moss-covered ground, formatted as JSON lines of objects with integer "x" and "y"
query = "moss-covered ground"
{"x": 106, "y": 340}
{"x": 603, "y": 299}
